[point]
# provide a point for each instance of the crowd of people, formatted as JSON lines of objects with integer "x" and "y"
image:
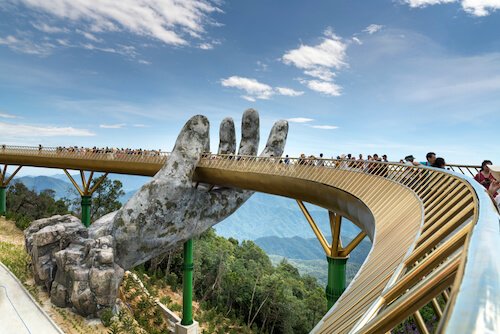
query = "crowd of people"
{"x": 431, "y": 159}
{"x": 108, "y": 150}
{"x": 485, "y": 175}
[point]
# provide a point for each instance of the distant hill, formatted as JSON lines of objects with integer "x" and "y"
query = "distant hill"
{"x": 307, "y": 249}
{"x": 308, "y": 256}
{"x": 268, "y": 215}
{"x": 40, "y": 183}
{"x": 129, "y": 182}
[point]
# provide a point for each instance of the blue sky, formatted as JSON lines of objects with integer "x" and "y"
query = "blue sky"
{"x": 395, "y": 77}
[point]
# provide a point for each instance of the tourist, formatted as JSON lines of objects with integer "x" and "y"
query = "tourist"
{"x": 410, "y": 161}
{"x": 485, "y": 177}
{"x": 439, "y": 163}
{"x": 431, "y": 159}
{"x": 493, "y": 191}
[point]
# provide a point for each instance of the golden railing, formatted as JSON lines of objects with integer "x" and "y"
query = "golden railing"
{"x": 435, "y": 233}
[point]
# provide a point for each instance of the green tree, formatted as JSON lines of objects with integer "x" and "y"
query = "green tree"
{"x": 25, "y": 205}
{"x": 105, "y": 198}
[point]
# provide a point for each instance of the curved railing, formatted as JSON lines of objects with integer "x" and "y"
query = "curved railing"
{"x": 434, "y": 232}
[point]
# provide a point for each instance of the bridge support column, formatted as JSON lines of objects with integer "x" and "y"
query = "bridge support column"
{"x": 187, "y": 285}
{"x": 3, "y": 205}
{"x": 336, "y": 279}
{"x": 86, "y": 203}
{"x": 4, "y": 182}
{"x": 86, "y": 192}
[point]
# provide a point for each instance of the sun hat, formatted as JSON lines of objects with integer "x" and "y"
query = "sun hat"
{"x": 495, "y": 170}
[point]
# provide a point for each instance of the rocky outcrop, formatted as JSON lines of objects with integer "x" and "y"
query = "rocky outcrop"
{"x": 83, "y": 268}
{"x": 76, "y": 270}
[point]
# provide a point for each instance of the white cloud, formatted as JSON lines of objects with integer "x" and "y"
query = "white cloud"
{"x": 144, "y": 62}
{"x": 5, "y": 115}
{"x": 21, "y": 130}
{"x": 49, "y": 29}
{"x": 373, "y": 28}
{"x": 140, "y": 126}
{"x": 253, "y": 88}
{"x": 474, "y": 7}
{"x": 124, "y": 50}
{"x": 320, "y": 61}
{"x": 206, "y": 46}
{"x": 288, "y": 91}
{"x": 328, "y": 54}
{"x": 321, "y": 73}
{"x": 480, "y": 7}
{"x": 27, "y": 46}
{"x": 328, "y": 88}
{"x": 425, "y": 3}
{"x": 325, "y": 127}
{"x": 112, "y": 126}
{"x": 172, "y": 22}
{"x": 300, "y": 120}
{"x": 256, "y": 90}
{"x": 90, "y": 36}
{"x": 357, "y": 40}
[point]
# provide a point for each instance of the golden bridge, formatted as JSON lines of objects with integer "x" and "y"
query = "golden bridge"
{"x": 435, "y": 233}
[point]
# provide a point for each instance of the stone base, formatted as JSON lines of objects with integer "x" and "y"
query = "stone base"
{"x": 191, "y": 329}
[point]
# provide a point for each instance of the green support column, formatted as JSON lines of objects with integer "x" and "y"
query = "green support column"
{"x": 86, "y": 201}
{"x": 187, "y": 282}
{"x": 3, "y": 205}
{"x": 336, "y": 279}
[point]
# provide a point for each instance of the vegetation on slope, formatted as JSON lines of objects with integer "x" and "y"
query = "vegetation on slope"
{"x": 239, "y": 280}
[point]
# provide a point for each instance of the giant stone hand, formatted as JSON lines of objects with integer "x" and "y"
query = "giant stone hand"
{"x": 83, "y": 268}
{"x": 169, "y": 209}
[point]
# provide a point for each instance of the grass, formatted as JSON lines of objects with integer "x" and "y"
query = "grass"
{"x": 16, "y": 259}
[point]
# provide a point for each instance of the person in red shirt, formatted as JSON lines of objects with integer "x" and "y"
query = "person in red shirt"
{"x": 485, "y": 177}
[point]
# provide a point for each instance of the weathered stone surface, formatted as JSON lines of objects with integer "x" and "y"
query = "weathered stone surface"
{"x": 83, "y": 268}
{"x": 58, "y": 295}
{"x": 78, "y": 271}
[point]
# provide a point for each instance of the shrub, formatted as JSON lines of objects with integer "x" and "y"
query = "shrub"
{"x": 106, "y": 316}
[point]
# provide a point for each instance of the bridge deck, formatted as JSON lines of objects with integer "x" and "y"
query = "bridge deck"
{"x": 424, "y": 224}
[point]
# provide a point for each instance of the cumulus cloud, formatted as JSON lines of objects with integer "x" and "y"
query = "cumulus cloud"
{"x": 328, "y": 54}
{"x": 325, "y": 127}
{"x": 300, "y": 120}
{"x": 474, "y": 7}
{"x": 373, "y": 28}
{"x": 320, "y": 61}
{"x": 172, "y": 22}
{"x": 253, "y": 88}
{"x": 325, "y": 87}
{"x": 22, "y": 131}
{"x": 480, "y": 7}
{"x": 112, "y": 126}
{"x": 257, "y": 90}
{"x": 23, "y": 45}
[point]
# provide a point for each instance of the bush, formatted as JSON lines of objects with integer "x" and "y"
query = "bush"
{"x": 172, "y": 280}
{"x": 176, "y": 307}
{"x": 106, "y": 316}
